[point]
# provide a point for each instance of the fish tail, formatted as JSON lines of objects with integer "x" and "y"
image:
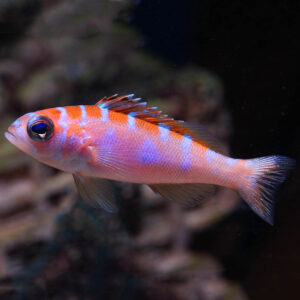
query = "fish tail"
{"x": 258, "y": 187}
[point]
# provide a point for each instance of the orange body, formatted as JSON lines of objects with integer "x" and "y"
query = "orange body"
{"x": 122, "y": 139}
{"x": 105, "y": 144}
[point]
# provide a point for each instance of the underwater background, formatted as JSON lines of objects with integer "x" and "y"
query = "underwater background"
{"x": 231, "y": 66}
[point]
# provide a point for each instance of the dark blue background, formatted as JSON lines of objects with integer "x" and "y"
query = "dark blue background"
{"x": 253, "y": 46}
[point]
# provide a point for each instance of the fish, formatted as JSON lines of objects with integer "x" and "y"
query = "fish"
{"x": 121, "y": 138}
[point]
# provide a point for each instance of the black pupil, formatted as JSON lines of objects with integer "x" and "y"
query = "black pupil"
{"x": 40, "y": 128}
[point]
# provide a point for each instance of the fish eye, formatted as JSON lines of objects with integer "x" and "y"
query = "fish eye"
{"x": 40, "y": 128}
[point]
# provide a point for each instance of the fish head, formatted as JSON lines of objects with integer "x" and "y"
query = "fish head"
{"x": 39, "y": 135}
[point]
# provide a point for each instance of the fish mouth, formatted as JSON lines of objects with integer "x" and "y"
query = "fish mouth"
{"x": 10, "y": 136}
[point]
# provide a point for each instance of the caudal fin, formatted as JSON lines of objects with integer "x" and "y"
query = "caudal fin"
{"x": 259, "y": 186}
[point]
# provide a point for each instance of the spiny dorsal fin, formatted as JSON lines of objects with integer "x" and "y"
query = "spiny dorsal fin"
{"x": 127, "y": 104}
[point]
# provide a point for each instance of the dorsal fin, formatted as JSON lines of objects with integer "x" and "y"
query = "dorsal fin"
{"x": 127, "y": 104}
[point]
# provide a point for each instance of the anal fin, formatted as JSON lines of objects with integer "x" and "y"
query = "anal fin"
{"x": 97, "y": 191}
{"x": 189, "y": 194}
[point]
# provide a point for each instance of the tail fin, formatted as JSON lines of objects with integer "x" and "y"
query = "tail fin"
{"x": 259, "y": 186}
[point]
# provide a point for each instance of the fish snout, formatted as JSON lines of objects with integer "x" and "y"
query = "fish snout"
{"x": 11, "y": 134}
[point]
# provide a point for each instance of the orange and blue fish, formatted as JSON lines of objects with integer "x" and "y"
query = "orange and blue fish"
{"x": 121, "y": 138}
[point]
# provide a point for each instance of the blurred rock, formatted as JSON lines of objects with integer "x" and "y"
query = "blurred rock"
{"x": 74, "y": 52}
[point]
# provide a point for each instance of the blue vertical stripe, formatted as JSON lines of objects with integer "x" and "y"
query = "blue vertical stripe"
{"x": 210, "y": 155}
{"x": 108, "y": 144}
{"x": 63, "y": 122}
{"x": 186, "y": 148}
{"x": 148, "y": 153}
{"x": 164, "y": 131}
{"x": 83, "y": 115}
{"x": 131, "y": 122}
{"x": 104, "y": 114}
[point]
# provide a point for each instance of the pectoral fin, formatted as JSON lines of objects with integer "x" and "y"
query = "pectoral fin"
{"x": 97, "y": 191}
{"x": 189, "y": 194}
